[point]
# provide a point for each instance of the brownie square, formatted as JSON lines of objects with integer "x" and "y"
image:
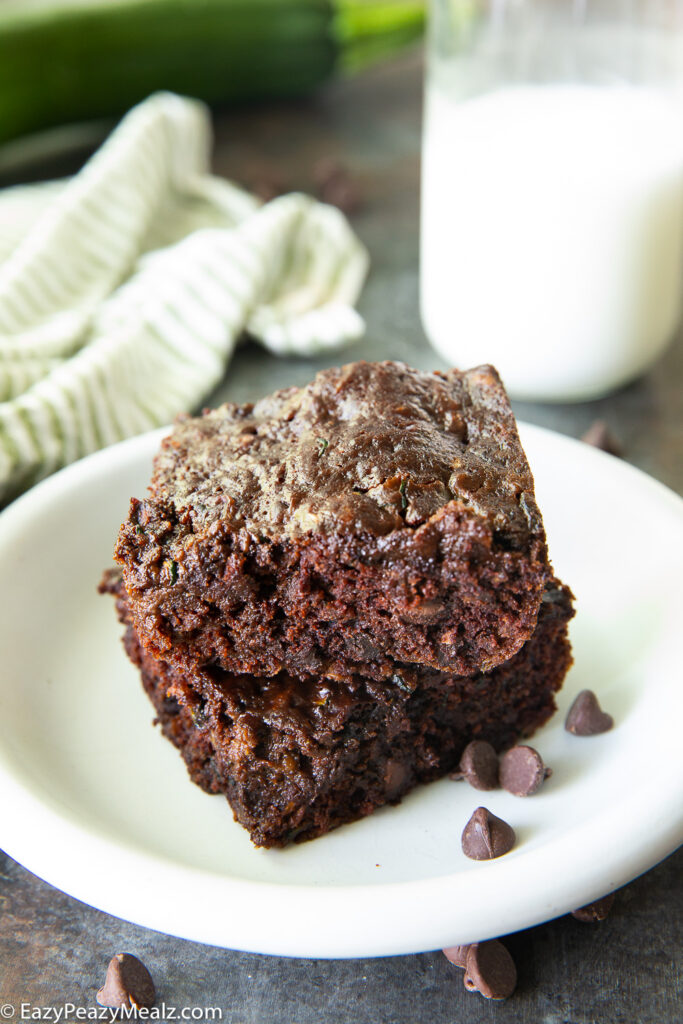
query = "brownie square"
{"x": 298, "y": 757}
{"x": 379, "y": 515}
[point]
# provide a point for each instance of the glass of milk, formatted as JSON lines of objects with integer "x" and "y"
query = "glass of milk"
{"x": 552, "y": 189}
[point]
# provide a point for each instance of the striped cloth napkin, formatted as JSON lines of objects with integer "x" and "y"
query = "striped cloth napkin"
{"x": 124, "y": 290}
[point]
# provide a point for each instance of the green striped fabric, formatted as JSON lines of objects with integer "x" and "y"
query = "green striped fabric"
{"x": 124, "y": 290}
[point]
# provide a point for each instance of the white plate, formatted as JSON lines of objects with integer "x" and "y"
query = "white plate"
{"x": 99, "y": 804}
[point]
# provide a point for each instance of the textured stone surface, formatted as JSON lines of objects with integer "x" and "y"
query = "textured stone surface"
{"x": 622, "y": 971}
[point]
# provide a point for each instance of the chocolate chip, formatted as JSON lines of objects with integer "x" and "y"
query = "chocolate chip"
{"x": 343, "y": 194}
{"x": 522, "y": 771}
{"x": 266, "y": 185}
{"x": 600, "y": 436}
{"x": 325, "y": 169}
{"x": 586, "y": 717}
{"x": 485, "y": 836}
{"x": 490, "y": 970}
{"x": 596, "y": 911}
{"x": 335, "y": 186}
{"x": 457, "y": 955}
{"x": 479, "y": 765}
{"x": 128, "y": 983}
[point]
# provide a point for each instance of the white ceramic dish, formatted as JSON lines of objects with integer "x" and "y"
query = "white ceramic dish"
{"x": 99, "y": 804}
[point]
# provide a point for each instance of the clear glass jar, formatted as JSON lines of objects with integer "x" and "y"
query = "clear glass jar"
{"x": 552, "y": 189}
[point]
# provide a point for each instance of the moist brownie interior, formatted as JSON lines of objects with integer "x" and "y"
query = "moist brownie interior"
{"x": 378, "y": 515}
{"x": 298, "y": 757}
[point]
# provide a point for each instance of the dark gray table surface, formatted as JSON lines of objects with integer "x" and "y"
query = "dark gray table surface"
{"x": 54, "y": 950}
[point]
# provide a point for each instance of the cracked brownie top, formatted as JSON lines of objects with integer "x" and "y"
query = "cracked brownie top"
{"x": 365, "y": 448}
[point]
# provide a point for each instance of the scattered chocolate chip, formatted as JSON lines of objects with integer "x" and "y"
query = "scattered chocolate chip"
{"x": 265, "y": 182}
{"x": 457, "y": 955}
{"x": 343, "y": 194}
{"x": 485, "y": 836}
{"x": 600, "y": 436}
{"x": 128, "y": 983}
{"x": 586, "y": 717}
{"x": 490, "y": 970}
{"x": 479, "y": 765}
{"x": 267, "y": 189}
{"x": 334, "y": 185}
{"x": 596, "y": 911}
{"x": 325, "y": 170}
{"x": 522, "y": 771}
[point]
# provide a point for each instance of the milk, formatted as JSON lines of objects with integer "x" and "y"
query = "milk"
{"x": 552, "y": 233}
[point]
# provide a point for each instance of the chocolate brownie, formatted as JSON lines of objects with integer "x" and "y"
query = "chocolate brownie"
{"x": 377, "y": 515}
{"x": 297, "y": 757}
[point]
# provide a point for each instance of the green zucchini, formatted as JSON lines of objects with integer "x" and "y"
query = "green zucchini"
{"x": 72, "y": 60}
